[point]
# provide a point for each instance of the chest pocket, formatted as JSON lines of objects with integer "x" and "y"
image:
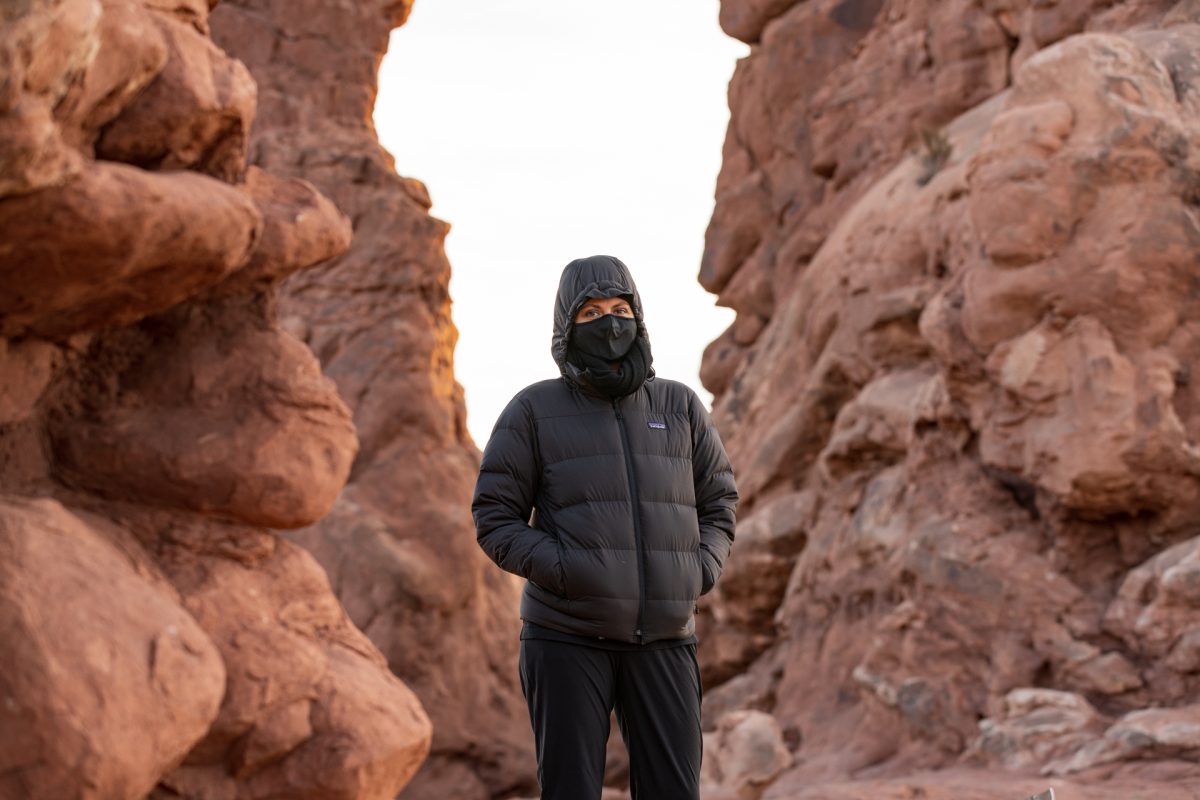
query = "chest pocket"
{"x": 666, "y": 435}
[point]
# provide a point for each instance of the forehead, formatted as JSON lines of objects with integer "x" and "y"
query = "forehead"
{"x": 605, "y": 301}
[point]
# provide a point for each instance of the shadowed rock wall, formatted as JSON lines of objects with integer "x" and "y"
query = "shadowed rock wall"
{"x": 155, "y": 420}
{"x": 961, "y": 239}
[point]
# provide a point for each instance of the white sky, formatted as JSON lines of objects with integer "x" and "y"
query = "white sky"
{"x": 548, "y": 130}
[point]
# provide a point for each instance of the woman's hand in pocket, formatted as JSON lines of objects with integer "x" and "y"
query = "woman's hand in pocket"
{"x": 546, "y": 569}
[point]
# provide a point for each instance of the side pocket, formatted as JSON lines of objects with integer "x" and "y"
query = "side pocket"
{"x": 697, "y": 583}
{"x": 560, "y": 570}
{"x": 706, "y": 576}
{"x": 546, "y": 569}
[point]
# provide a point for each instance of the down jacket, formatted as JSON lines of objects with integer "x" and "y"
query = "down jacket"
{"x": 618, "y": 512}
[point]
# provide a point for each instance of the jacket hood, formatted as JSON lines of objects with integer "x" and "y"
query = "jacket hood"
{"x": 595, "y": 276}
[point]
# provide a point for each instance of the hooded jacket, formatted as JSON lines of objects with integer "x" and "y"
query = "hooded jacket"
{"x": 618, "y": 512}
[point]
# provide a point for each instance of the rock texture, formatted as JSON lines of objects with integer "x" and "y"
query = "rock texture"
{"x": 156, "y": 639}
{"x": 108, "y": 680}
{"x": 399, "y": 544}
{"x": 961, "y": 242}
{"x": 744, "y": 753}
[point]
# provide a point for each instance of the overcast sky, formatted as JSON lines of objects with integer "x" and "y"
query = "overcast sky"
{"x": 547, "y": 130}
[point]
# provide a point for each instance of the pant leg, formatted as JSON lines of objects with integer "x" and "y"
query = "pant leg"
{"x": 658, "y": 712}
{"x": 569, "y": 690}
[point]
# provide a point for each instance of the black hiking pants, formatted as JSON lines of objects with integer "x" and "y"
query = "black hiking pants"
{"x": 571, "y": 691}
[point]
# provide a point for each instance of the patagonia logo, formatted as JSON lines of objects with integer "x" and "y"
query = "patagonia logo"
{"x": 662, "y": 426}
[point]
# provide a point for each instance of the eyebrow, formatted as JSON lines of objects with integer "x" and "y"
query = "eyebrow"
{"x": 594, "y": 304}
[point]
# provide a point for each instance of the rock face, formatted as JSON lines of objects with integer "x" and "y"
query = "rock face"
{"x": 961, "y": 240}
{"x": 111, "y": 713}
{"x": 155, "y": 638}
{"x": 743, "y": 754}
{"x": 399, "y": 544}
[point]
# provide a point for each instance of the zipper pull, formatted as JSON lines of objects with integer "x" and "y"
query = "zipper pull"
{"x": 616, "y": 408}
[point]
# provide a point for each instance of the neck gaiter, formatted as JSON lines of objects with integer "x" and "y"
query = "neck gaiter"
{"x": 594, "y": 345}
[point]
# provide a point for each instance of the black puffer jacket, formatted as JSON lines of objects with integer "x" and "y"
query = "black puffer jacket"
{"x": 633, "y": 499}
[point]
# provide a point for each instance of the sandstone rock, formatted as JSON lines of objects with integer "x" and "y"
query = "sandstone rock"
{"x": 1185, "y": 655}
{"x": 195, "y": 114}
{"x": 1177, "y": 728}
{"x": 209, "y": 409}
{"x": 961, "y": 784}
{"x": 1039, "y": 725}
{"x": 32, "y": 155}
{"x": 107, "y": 682}
{"x": 163, "y": 402}
{"x": 837, "y": 584}
{"x": 752, "y": 585}
{"x": 193, "y": 12}
{"x": 752, "y": 689}
{"x": 720, "y": 362}
{"x": 1154, "y": 613}
{"x": 125, "y": 243}
{"x": 879, "y": 425}
{"x": 55, "y": 40}
{"x": 301, "y": 228}
{"x": 743, "y": 755}
{"x": 744, "y": 212}
{"x": 1140, "y": 734}
{"x": 309, "y": 710}
{"x": 131, "y": 52}
{"x": 28, "y": 368}
{"x": 44, "y": 46}
{"x": 976, "y": 230}
{"x": 1090, "y": 362}
{"x": 404, "y": 562}
{"x": 745, "y": 19}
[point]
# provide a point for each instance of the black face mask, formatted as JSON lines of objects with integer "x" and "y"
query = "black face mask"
{"x": 608, "y": 338}
{"x": 594, "y": 347}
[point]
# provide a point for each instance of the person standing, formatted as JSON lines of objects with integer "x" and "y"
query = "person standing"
{"x": 608, "y": 489}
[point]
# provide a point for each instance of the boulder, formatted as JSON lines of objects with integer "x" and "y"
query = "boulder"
{"x": 108, "y": 681}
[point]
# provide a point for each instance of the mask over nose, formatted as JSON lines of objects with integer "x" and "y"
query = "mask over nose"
{"x": 608, "y": 338}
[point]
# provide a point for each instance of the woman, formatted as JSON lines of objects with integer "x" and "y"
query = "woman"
{"x": 608, "y": 490}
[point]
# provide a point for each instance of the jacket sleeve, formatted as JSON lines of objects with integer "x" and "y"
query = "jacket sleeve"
{"x": 716, "y": 493}
{"x": 503, "y": 500}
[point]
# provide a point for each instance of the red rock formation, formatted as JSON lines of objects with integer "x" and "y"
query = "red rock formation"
{"x": 154, "y": 421}
{"x": 399, "y": 545}
{"x": 960, "y": 239}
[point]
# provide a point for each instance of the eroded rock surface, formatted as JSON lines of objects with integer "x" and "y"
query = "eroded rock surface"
{"x": 744, "y": 754}
{"x": 107, "y": 680}
{"x": 399, "y": 544}
{"x": 156, "y": 639}
{"x": 960, "y": 239}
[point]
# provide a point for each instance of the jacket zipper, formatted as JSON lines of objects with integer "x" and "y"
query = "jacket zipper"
{"x": 637, "y": 525}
